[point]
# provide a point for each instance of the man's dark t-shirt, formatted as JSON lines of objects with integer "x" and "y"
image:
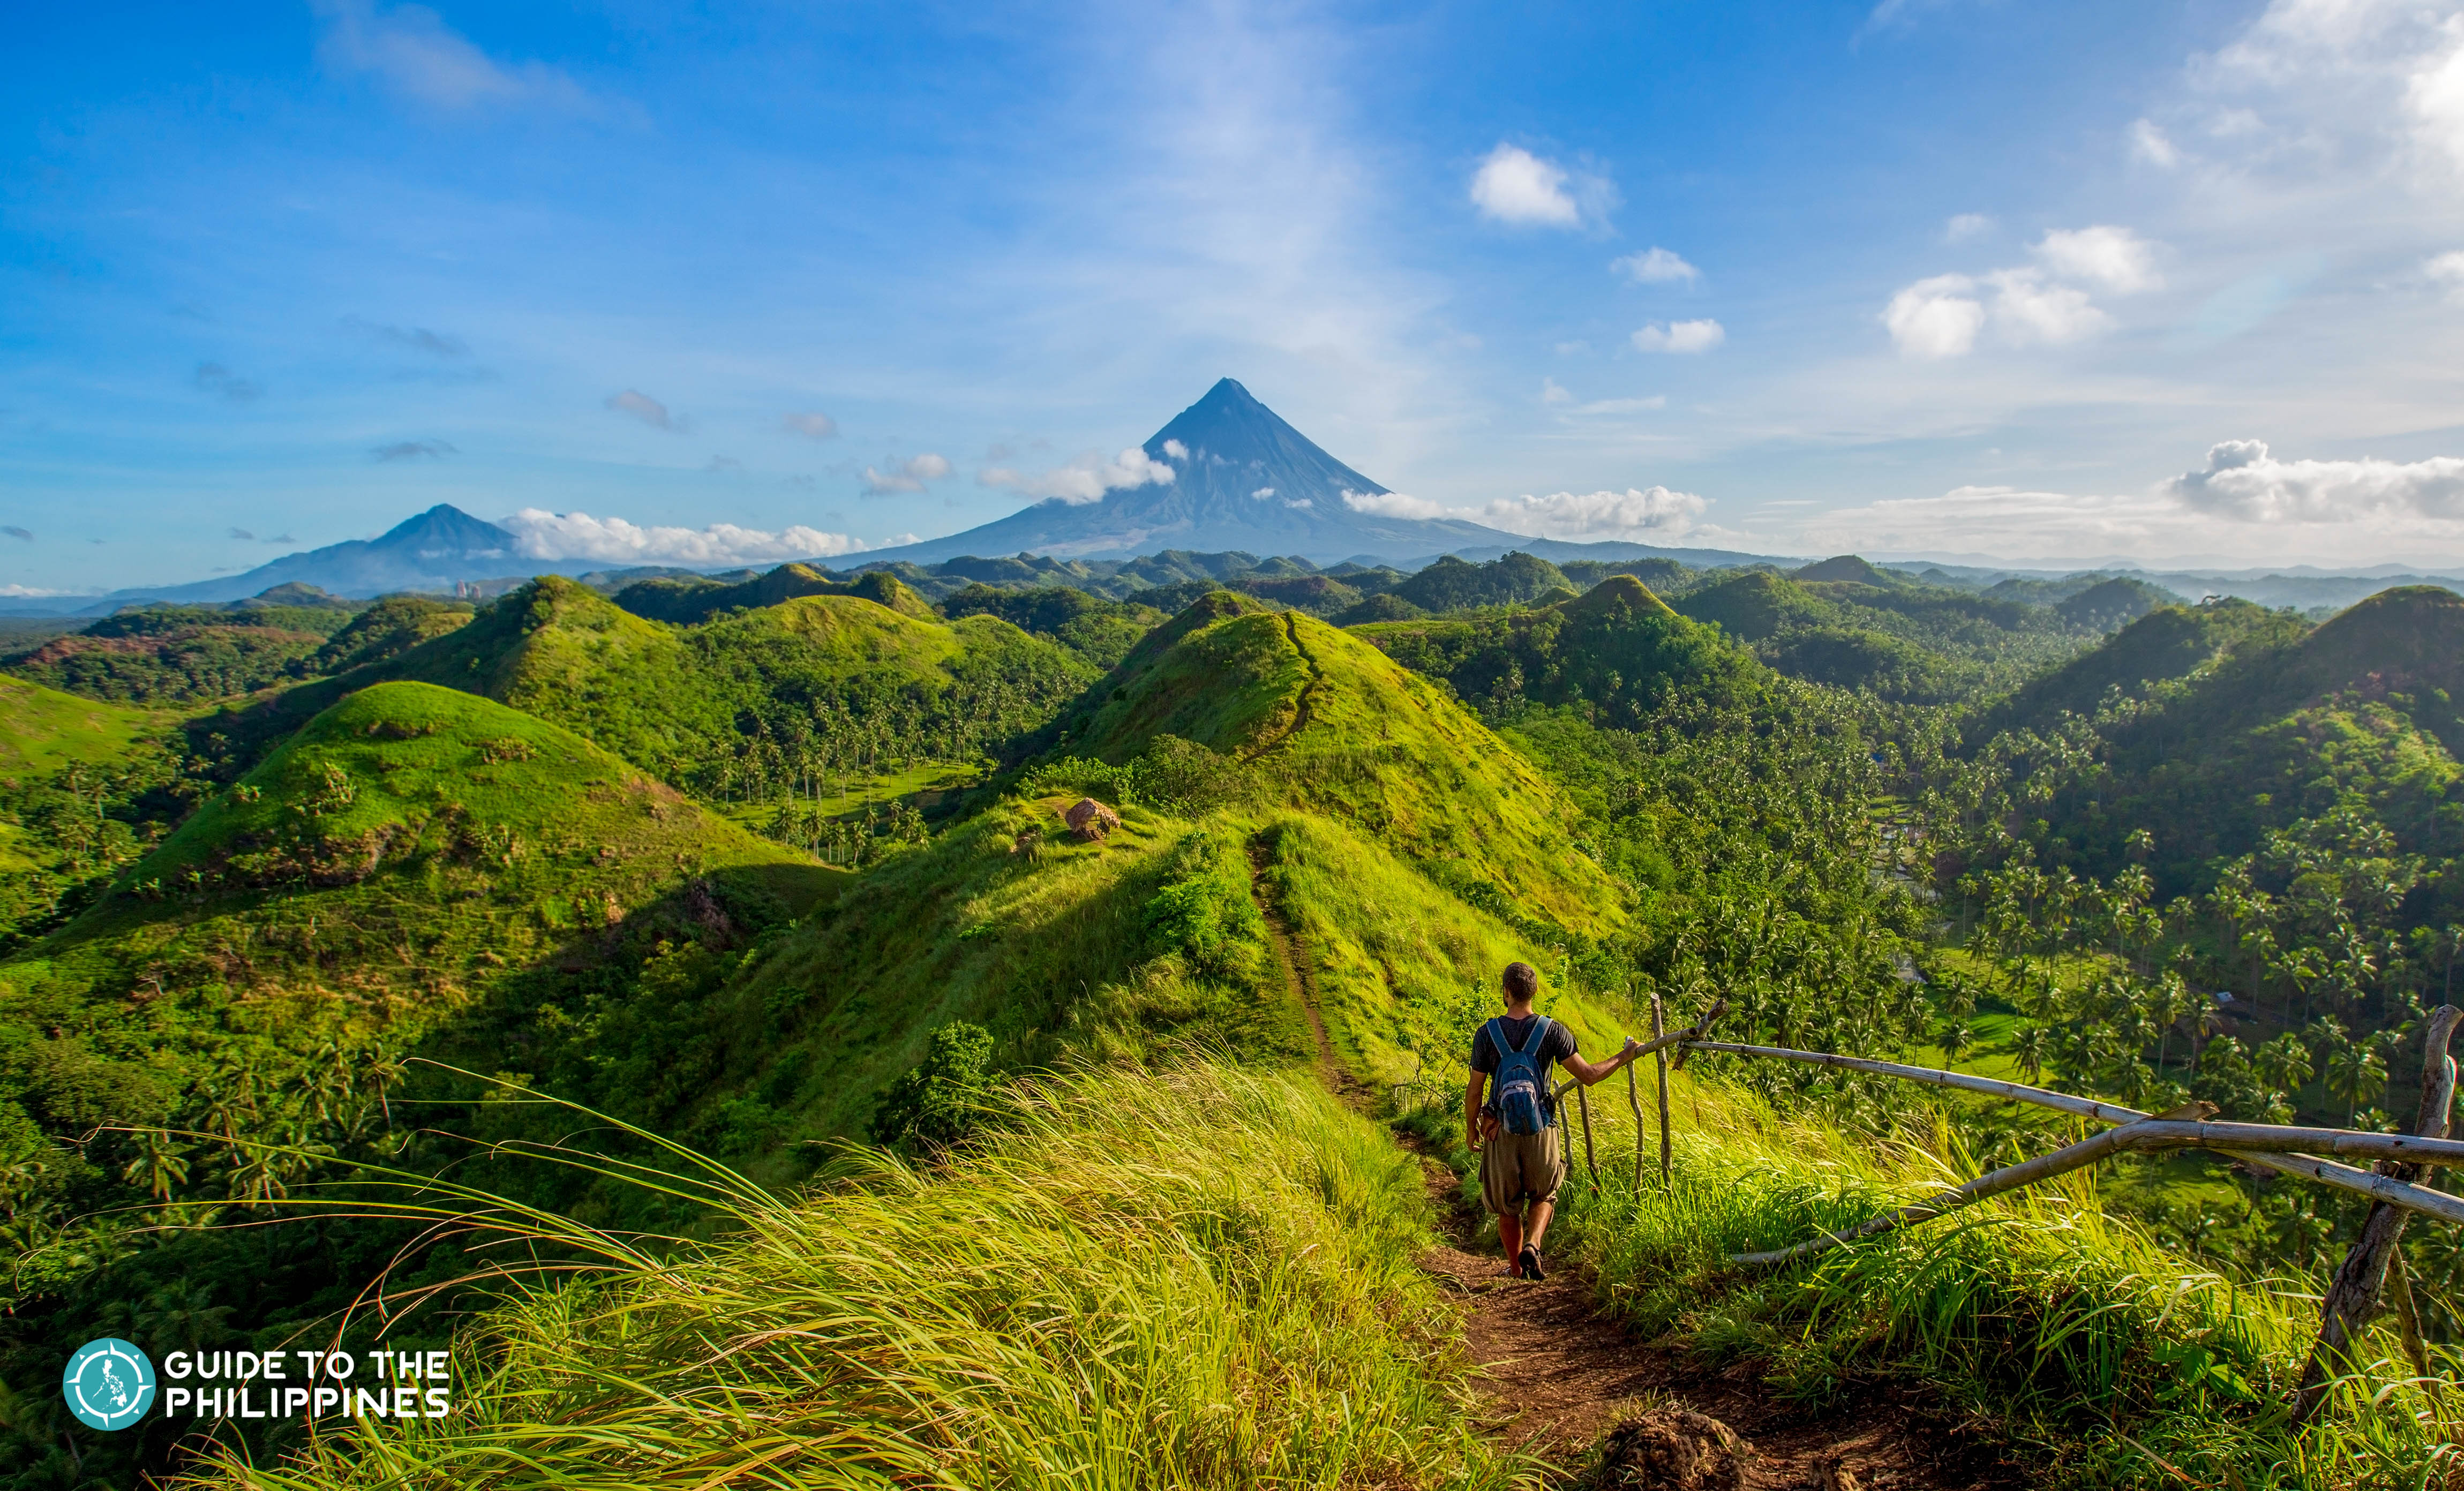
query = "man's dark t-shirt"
{"x": 1485, "y": 1056}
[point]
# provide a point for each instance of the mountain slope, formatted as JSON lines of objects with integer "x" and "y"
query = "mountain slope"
{"x": 2169, "y": 643}
{"x": 687, "y": 601}
{"x": 1348, "y": 733}
{"x": 1242, "y": 478}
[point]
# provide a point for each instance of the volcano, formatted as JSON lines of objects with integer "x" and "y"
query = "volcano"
{"x": 1242, "y": 478}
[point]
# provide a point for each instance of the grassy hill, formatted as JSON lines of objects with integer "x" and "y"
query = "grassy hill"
{"x": 1617, "y": 650}
{"x": 688, "y": 602}
{"x": 1346, "y": 731}
{"x": 2164, "y": 644}
{"x": 743, "y": 705}
{"x": 42, "y": 729}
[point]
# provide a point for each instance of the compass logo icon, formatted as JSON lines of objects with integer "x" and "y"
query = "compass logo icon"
{"x": 109, "y": 1384}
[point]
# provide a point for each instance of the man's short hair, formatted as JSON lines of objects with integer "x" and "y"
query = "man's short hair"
{"x": 1522, "y": 982}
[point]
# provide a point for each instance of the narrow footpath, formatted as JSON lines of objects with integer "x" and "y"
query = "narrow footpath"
{"x": 1557, "y": 1374}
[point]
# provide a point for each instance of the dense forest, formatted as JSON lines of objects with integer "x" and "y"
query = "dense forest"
{"x": 308, "y": 894}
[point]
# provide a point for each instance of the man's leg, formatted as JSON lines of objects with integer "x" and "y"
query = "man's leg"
{"x": 1536, "y": 1223}
{"x": 1509, "y": 1236}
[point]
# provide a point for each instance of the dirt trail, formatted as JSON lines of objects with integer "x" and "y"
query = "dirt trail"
{"x": 1303, "y": 706}
{"x": 1557, "y": 1374}
{"x": 1301, "y": 980}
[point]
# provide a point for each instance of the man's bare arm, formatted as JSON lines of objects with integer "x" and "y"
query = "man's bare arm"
{"x": 1590, "y": 1072}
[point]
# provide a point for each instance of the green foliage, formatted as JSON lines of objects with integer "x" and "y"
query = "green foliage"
{"x": 1185, "y": 1277}
{"x": 2107, "y": 1358}
{"x": 1451, "y": 584}
{"x": 1101, "y": 631}
{"x": 942, "y": 1099}
{"x": 385, "y": 630}
{"x": 1619, "y": 651}
{"x": 687, "y": 602}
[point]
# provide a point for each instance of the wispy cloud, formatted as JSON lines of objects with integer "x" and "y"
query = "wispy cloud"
{"x": 578, "y": 536}
{"x": 243, "y": 536}
{"x": 1681, "y": 336}
{"x": 223, "y": 384}
{"x": 1657, "y": 514}
{"x": 1086, "y": 478}
{"x": 21, "y": 535}
{"x": 908, "y": 475}
{"x": 413, "y": 450}
{"x": 812, "y": 425}
{"x": 1655, "y": 266}
{"x": 411, "y": 50}
{"x": 415, "y": 338}
{"x": 640, "y": 406}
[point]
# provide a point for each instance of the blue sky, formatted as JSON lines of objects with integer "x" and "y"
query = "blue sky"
{"x": 2043, "y": 282}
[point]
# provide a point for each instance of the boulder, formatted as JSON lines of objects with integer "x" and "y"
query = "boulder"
{"x": 1090, "y": 821}
{"x": 1673, "y": 1449}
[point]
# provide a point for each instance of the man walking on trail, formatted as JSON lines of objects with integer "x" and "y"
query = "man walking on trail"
{"x": 1515, "y": 1127}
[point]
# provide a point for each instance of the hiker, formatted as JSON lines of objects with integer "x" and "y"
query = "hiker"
{"x": 1515, "y": 1130}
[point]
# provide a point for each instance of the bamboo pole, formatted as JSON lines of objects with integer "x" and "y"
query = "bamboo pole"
{"x": 1660, "y": 1059}
{"x": 2357, "y": 1293}
{"x": 1583, "y": 1101}
{"x": 2084, "y": 1108}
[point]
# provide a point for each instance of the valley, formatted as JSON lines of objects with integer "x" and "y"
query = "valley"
{"x": 675, "y": 934}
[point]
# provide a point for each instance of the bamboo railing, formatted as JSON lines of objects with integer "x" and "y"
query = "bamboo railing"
{"x": 2372, "y": 1269}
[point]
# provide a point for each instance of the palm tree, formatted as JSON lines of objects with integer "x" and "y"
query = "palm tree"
{"x": 2282, "y": 1063}
{"x": 2031, "y": 1045}
{"x": 1955, "y": 1039}
{"x": 2355, "y": 1072}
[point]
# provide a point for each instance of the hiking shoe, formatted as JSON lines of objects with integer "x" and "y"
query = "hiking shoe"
{"x": 1530, "y": 1264}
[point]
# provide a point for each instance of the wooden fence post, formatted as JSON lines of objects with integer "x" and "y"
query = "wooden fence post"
{"x": 2356, "y": 1295}
{"x": 1659, "y": 1059}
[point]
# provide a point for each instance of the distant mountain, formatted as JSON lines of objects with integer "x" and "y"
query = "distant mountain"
{"x": 434, "y": 551}
{"x": 1242, "y": 478}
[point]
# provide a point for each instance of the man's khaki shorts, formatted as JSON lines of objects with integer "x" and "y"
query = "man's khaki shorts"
{"x": 1519, "y": 1169}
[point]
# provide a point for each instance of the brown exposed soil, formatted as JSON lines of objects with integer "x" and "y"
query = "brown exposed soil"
{"x": 1559, "y": 1375}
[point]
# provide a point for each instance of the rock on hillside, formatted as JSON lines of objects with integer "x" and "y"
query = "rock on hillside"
{"x": 1353, "y": 734}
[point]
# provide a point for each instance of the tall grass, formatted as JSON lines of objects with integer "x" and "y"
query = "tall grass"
{"x": 2065, "y": 1330}
{"x": 1199, "y": 1277}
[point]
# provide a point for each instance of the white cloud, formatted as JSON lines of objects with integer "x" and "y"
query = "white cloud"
{"x": 2039, "y": 304}
{"x": 1655, "y": 267}
{"x": 812, "y": 424}
{"x": 542, "y": 534}
{"x": 1966, "y": 225}
{"x": 1656, "y": 512}
{"x": 2108, "y": 258}
{"x": 1175, "y": 449}
{"x": 1515, "y": 186}
{"x": 2029, "y": 310}
{"x": 2149, "y": 142}
{"x": 642, "y": 407}
{"x": 1304, "y": 504}
{"x": 1086, "y": 478}
{"x": 1681, "y": 336}
{"x": 14, "y": 592}
{"x": 1391, "y": 504}
{"x": 1262, "y": 492}
{"x": 1937, "y": 317}
{"x": 1552, "y": 392}
{"x": 2448, "y": 270}
{"x": 1630, "y": 514}
{"x": 2242, "y": 480}
{"x": 412, "y": 49}
{"x": 908, "y": 475}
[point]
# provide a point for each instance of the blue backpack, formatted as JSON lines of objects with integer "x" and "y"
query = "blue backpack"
{"x": 1522, "y": 1101}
